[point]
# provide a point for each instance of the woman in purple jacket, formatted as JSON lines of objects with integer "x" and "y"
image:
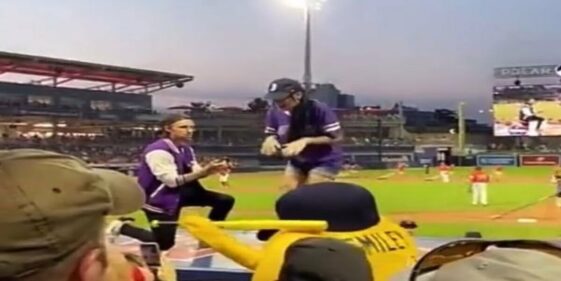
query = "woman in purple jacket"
{"x": 303, "y": 130}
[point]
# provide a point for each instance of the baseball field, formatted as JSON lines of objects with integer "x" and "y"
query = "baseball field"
{"x": 440, "y": 209}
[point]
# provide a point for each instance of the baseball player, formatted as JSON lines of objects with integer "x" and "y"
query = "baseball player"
{"x": 479, "y": 180}
{"x": 444, "y": 171}
{"x": 401, "y": 168}
{"x": 224, "y": 174}
{"x": 498, "y": 172}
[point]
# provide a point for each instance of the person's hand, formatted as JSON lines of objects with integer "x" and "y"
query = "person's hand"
{"x": 270, "y": 146}
{"x": 215, "y": 166}
{"x": 294, "y": 148}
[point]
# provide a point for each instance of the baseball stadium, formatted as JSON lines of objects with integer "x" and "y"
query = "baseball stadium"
{"x": 418, "y": 165}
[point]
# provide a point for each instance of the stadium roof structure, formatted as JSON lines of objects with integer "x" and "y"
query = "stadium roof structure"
{"x": 111, "y": 78}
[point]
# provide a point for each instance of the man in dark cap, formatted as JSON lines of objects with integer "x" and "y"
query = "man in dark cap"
{"x": 352, "y": 216}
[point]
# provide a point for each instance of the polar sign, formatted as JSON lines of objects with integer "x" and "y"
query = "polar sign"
{"x": 527, "y": 71}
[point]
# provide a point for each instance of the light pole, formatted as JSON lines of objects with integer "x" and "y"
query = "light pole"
{"x": 461, "y": 131}
{"x": 307, "y": 6}
{"x": 308, "y": 53}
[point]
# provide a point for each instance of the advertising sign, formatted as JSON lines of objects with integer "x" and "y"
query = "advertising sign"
{"x": 526, "y": 71}
{"x": 426, "y": 161}
{"x": 539, "y": 160}
{"x": 497, "y": 160}
{"x": 395, "y": 158}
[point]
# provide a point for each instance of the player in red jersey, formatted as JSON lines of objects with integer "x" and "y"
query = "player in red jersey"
{"x": 479, "y": 180}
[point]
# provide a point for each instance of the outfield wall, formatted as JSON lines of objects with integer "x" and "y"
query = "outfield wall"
{"x": 390, "y": 161}
{"x": 518, "y": 159}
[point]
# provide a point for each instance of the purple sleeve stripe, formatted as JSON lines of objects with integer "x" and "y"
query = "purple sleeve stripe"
{"x": 270, "y": 130}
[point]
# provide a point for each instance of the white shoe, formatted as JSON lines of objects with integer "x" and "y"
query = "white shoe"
{"x": 113, "y": 230}
{"x": 533, "y": 133}
{"x": 167, "y": 269}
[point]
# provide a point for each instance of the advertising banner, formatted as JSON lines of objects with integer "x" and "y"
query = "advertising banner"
{"x": 396, "y": 158}
{"x": 539, "y": 160}
{"x": 497, "y": 160}
{"x": 426, "y": 161}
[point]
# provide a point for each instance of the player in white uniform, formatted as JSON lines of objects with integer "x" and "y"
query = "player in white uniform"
{"x": 224, "y": 175}
{"x": 444, "y": 171}
{"x": 528, "y": 115}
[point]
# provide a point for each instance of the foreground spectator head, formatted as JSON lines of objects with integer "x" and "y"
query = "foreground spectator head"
{"x": 352, "y": 215}
{"x": 52, "y": 213}
{"x": 126, "y": 266}
{"x": 324, "y": 259}
{"x": 490, "y": 261}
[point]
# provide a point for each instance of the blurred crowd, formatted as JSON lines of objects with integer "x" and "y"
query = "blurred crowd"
{"x": 114, "y": 150}
{"x": 90, "y": 149}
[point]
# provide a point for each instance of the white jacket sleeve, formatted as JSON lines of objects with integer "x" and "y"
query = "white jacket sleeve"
{"x": 163, "y": 167}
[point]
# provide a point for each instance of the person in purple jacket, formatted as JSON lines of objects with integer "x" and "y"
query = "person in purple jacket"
{"x": 305, "y": 131}
{"x": 169, "y": 174}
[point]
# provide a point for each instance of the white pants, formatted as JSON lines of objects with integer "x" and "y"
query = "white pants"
{"x": 533, "y": 128}
{"x": 558, "y": 202}
{"x": 445, "y": 176}
{"x": 223, "y": 178}
{"x": 479, "y": 193}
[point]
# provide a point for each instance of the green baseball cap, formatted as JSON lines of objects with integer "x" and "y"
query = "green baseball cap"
{"x": 51, "y": 204}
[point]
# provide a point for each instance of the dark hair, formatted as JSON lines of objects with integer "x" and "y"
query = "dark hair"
{"x": 169, "y": 120}
{"x": 300, "y": 119}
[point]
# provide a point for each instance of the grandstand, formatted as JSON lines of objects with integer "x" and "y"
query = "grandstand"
{"x": 104, "y": 114}
{"x": 79, "y": 107}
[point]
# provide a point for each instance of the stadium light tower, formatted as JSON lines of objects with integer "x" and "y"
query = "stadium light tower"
{"x": 461, "y": 128}
{"x": 307, "y": 6}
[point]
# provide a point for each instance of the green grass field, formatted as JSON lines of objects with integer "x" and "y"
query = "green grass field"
{"x": 256, "y": 194}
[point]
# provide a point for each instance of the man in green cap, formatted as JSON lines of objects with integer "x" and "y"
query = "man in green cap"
{"x": 52, "y": 214}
